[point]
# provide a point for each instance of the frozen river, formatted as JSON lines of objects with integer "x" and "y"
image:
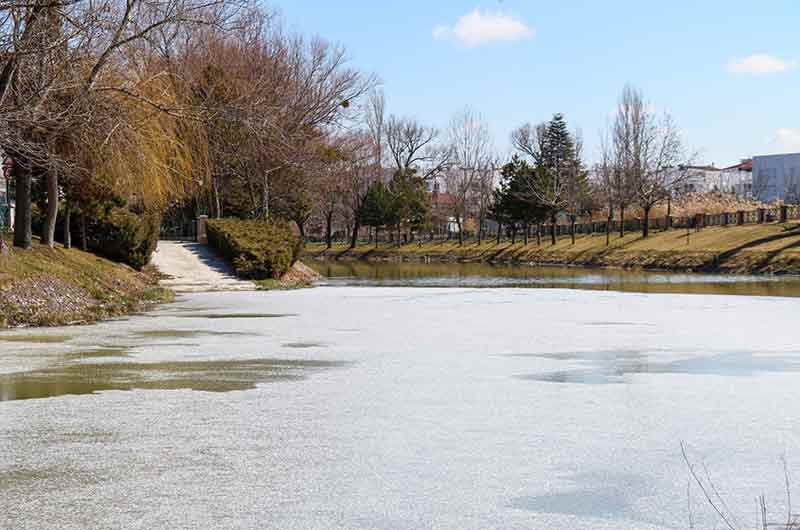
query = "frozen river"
{"x": 351, "y": 407}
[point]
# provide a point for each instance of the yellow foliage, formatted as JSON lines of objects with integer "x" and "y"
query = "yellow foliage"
{"x": 150, "y": 154}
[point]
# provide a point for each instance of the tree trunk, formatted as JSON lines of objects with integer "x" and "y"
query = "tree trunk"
{"x": 49, "y": 232}
{"x": 621, "y": 220}
{"x": 527, "y": 233}
{"x": 67, "y": 219}
{"x": 608, "y": 227}
{"x": 646, "y": 222}
{"x": 217, "y": 200}
{"x": 572, "y": 230}
{"x": 301, "y": 227}
{"x": 499, "y": 231}
{"x": 538, "y": 234}
{"x": 553, "y": 229}
{"x": 354, "y": 235}
{"x": 514, "y": 234}
{"x": 82, "y": 223}
{"x": 23, "y": 235}
{"x": 265, "y": 197}
{"x": 377, "y": 236}
{"x": 329, "y": 230}
{"x": 460, "y": 232}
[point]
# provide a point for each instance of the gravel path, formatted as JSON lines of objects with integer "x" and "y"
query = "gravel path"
{"x": 194, "y": 267}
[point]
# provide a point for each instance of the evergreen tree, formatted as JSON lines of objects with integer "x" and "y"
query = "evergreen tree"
{"x": 557, "y": 164}
{"x": 411, "y": 202}
{"x": 513, "y": 207}
{"x": 379, "y": 208}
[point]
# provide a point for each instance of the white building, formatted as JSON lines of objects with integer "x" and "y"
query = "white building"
{"x": 777, "y": 178}
{"x": 700, "y": 179}
{"x": 692, "y": 179}
{"x": 738, "y": 179}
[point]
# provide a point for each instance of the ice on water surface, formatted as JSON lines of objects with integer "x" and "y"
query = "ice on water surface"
{"x": 403, "y": 409}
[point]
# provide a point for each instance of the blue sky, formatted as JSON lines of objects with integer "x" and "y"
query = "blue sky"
{"x": 727, "y": 71}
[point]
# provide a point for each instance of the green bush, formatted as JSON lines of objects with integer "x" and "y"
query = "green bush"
{"x": 124, "y": 236}
{"x": 257, "y": 250}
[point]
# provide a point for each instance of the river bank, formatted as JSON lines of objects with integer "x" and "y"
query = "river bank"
{"x": 51, "y": 287}
{"x": 753, "y": 249}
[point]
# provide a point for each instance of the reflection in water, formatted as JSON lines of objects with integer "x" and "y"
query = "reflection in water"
{"x": 304, "y": 345}
{"x": 95, "y": 354}
{"x": 601, "y": 502}
{"x": 35, "y": 339}
{"x": 184, "y": 333}
{"x": 609, "y": 370}
{"x": 207, "y": 376}
{"x": 607, "y": 495}
{"x": 224, "y": 316}
{"x": 361, "y": 273}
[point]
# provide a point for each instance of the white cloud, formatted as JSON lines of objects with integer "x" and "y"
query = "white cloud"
{"x": 484, "y": 27}
{"x": 760, "y": 64}
{"x": 788, "y": 139}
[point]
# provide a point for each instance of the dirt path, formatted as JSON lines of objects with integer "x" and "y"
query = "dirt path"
{"x": 194, "y": 267}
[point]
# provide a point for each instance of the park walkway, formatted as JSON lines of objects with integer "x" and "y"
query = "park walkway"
{"x": 195, "y": 267}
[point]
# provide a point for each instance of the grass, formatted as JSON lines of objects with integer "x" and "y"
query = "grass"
{"x": 44, "y": 286}
{"x": 764, "y": 248}
{"x": 280, "y": 285}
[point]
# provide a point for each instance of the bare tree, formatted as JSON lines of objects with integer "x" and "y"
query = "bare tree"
{"x": 356, "y": 176}
{"x": 471, "y": 148}
{"x": 650, "y": 153}
{"x": 613, "y": 187}
{"x": 414, "y": 148}
{"x": 375, "y": 118}
{"x": 268, "y": 97}
{"x": 484, "y": 196}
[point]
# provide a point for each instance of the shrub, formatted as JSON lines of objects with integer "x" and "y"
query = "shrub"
{"x": 124, "y": 236}
{"x": 258, "y": 250}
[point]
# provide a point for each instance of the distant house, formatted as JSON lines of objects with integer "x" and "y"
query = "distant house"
{"x": 692, "y": 179}
{"x": 443, "y": 204}
{"x": 700, "y": 179}
{"x": 738, "y": 179}
{"x": 777, "y": 178}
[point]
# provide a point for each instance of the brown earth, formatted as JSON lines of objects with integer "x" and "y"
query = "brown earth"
{"x": 47, "y": 287}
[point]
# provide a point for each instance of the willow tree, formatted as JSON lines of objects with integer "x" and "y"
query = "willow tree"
{"x": 59, "y": 58}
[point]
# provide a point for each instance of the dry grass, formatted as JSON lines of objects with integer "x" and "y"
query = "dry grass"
{"x": 44, "y": 286}
{"x": 765, "y": 248}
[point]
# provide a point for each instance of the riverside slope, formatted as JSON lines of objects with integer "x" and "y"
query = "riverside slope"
{"x": 772, "y": 248}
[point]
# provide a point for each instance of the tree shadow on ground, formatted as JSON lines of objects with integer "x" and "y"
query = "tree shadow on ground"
{"x": 209, "y": 257}
{"x": 787, "y": 232}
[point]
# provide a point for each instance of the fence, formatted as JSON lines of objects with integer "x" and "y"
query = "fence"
{"x": 742, "y": 217}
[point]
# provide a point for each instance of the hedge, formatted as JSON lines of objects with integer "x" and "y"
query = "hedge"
{"x": 124, "y": 236}
{"x": 112, "y": 231}
{"x": 258, "y": 250}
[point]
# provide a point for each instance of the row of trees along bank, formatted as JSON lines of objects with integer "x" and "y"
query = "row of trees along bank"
{"x": 112, "y": 111}
{"x": 407, "y": 178}
{"x": 116, "y": 111}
